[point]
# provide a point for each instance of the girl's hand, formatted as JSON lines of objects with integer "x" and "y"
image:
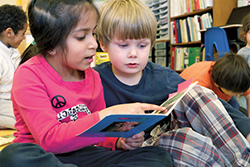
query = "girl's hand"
{"x": 131, "y": 143}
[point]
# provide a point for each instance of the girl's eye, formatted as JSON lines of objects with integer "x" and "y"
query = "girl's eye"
{"x": 81, "y": 38}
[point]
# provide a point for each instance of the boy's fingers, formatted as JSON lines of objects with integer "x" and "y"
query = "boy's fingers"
{"x": 145, "y": 106}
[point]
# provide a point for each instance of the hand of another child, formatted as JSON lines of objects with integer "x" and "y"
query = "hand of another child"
{"x": 132, "y": 108}
{"x": 131, "y": 143}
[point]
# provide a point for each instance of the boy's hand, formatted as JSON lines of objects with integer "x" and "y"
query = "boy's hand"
{"x": 131, "y": 143}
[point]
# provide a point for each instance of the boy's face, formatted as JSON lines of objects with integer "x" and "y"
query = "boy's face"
{"x": 15, "y": 40}
{"x": 128, "y": 57}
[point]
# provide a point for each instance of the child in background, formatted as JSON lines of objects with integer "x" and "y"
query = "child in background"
{"x": 13, "y": 25}
{"x": 228, "y": 77}
{"x": 244, "y": 36}
{"x": 206, "y": 135}
{"x": 56, "y": 96}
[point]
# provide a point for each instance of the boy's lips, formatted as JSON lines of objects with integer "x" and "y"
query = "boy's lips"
{"x": 132, "y": 65}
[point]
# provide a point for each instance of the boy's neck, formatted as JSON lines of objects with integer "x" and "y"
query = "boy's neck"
{"x": 127, "y": 79}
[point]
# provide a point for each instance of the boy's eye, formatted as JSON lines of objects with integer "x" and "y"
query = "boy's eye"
{"x": 94, "y": 35}
{"x": 123, "y": 45}
{"x": 142, "y": 46}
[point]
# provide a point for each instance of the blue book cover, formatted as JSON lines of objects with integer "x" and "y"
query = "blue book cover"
{"x": 178, "y": 28}
{"x": 188, "y": 30}
{"x": 127, "y": 125}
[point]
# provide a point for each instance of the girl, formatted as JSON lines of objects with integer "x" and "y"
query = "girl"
{"x": 245, "y": 52}
{"x": 56, "y": 96}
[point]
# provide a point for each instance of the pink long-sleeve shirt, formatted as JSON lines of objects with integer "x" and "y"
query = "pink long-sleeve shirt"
{"x": 51, "y": 112}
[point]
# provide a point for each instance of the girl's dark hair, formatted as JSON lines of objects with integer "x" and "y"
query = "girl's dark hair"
{"x": 232, "y": 72}
{"x": 13, "y": 17}
{"x": 245, "y": 28}
{"x": 29, "y": 52}
{"x": 52, "y": 20}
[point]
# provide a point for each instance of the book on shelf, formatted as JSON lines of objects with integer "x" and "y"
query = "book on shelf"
{"x": 208, "y": 3}
{"x": 191, "y": 28}
{"x": 184, "y": 57}
{"x": 179, "y": 59}
{"x": 173, "y": 58}
{"x": 172, "y": 33}
{"x": 178, "y": 30}
{"x": 194, "y": 55}
{"x": 175, "y": 32}
{"x": 197, "y": 27}
{"x": 188, "y": 30}
{"x": 127, "y": 125}
{"x": 194, "y": 29}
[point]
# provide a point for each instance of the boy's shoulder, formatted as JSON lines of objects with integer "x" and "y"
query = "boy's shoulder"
{"x": 103, "y": 67}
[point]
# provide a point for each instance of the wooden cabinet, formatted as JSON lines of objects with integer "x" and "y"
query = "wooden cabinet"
{"x": 220, "y": 12}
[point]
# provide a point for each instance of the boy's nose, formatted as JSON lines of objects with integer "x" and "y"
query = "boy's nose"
{"x": 132, "y": 53}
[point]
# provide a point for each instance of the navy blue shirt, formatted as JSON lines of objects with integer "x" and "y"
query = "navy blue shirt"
{"x": 156, "y": 84}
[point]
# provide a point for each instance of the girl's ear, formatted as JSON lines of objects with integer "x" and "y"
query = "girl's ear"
{"x": 103, "y": 47}
{"x": 9, "y": 32}
{"x": 52, "y": 52}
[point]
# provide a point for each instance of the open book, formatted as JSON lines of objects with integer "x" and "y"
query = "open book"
{"x": 126, "y": 125}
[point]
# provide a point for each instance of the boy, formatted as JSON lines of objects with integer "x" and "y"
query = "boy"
{"x": 228, "y": 77}
{"x": 13, "y": 25}
{"x": 126, "y": 30}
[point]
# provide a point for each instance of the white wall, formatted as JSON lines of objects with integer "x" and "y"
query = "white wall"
{"x": 11, "y": 2}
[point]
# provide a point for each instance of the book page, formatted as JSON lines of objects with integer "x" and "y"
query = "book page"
{"x": 174, "y": 98}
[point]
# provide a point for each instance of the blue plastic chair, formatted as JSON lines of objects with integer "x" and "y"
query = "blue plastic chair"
{"x": 215, "y": 37}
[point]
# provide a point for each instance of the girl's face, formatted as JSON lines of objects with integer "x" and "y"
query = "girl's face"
{"x": 81, "y": 43}
{"x": 247, "y": 36}
{"x": 80, "y": 49}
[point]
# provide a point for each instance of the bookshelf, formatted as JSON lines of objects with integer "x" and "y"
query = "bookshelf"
{"x": 217, "y": 12}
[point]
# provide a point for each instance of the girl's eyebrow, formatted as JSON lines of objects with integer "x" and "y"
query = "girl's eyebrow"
{"x": 84, "y": 29}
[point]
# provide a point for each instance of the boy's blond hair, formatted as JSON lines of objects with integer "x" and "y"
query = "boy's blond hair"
{"x": 125, "y": 19}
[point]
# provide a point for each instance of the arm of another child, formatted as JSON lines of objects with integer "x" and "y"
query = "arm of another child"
{"x": 248, "y": 104}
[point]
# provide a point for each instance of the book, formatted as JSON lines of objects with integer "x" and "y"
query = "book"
{"x": 173, "y": 58}
{"x": 178, "y": 30}
{"x": 194, "y": 55}
{"x": 127, "y": 125}
{"x": 175, "y": 32}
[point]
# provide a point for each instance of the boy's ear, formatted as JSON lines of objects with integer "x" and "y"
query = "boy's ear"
{"x": 9, "y": 32}
{"x": 103, "y": 47}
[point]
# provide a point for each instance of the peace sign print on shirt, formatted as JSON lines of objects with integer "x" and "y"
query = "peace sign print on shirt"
{"x": 58, "y": 101}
